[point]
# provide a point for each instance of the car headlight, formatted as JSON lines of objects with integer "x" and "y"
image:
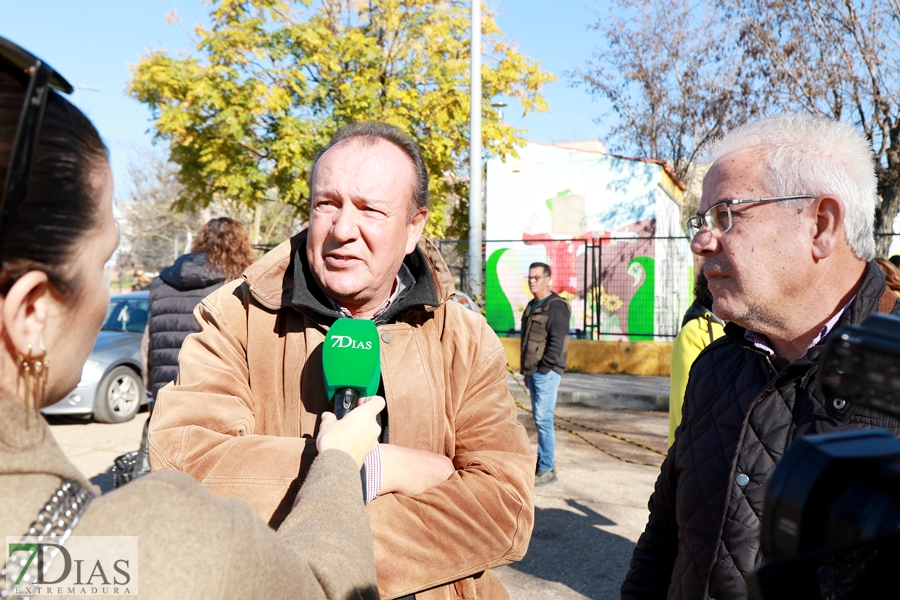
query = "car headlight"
{"x": 91, "y": 373}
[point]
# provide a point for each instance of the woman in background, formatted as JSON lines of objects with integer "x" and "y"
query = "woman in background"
{"x": 220, "y": 252}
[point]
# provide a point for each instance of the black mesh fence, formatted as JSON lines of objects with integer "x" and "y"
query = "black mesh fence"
{"x": 620, "y": 288}
{"x": 628, "y": 288}
{"x": 456, "y": 254}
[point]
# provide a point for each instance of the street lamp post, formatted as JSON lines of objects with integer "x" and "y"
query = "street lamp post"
{"x": 475, "y": 208}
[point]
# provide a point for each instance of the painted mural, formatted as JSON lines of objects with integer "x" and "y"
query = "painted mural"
{"x": 592, "y": 217}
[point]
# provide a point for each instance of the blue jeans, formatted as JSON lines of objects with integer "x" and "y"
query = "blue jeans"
{"x": 542, "y": 389}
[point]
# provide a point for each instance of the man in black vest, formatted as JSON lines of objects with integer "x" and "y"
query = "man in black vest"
{"x": 545, "y": 345}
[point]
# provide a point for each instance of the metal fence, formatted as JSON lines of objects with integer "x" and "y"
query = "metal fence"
{"x": 620, "y": 288}
{"x": 456, "y": 254}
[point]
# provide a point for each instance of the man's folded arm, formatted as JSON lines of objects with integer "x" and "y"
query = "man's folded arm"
{"x": 479, "y": 518}
{"x": 203, "y": 424}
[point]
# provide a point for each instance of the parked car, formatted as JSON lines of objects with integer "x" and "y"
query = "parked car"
{"x": 111, "y": 387}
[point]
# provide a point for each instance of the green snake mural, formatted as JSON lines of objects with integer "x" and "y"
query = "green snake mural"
{"x": 641, "y": 310}
{"x": 497, "y": 306}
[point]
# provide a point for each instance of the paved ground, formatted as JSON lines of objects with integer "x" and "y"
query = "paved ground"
{"x": 610, "y": 391}
{"x": 92, "y": 446}
{"x": 585, "y": 525}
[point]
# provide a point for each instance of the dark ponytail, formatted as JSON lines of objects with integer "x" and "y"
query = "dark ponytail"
{"x": 61, "y": 206}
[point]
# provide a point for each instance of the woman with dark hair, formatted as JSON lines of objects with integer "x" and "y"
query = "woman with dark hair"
{"x": 56, "y": 233}
{"x": 220, "y": 253}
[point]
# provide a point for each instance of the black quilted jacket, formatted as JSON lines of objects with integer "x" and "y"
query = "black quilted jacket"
{"x": 740, "y": 416}
{"x": 173, "y": 296}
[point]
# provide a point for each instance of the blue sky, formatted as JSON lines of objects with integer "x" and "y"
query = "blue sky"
{"x": 92, "y": 42}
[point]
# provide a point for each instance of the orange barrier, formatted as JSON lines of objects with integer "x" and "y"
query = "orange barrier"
{"x": 593, "y": 356}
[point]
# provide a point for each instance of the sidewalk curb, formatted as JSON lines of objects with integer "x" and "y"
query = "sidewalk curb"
{"x": 632, "y": 401}
{"x": 607, "y": 395}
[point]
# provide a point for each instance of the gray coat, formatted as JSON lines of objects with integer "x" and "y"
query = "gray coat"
{"x": 193, "y": 545}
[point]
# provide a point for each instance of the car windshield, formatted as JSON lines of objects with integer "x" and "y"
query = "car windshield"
{"x": 127, "y": 314}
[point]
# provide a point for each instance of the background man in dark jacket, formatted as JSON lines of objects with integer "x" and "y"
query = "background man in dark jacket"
{"x": 785, "y": 227}
{"x": 545, "y": 346}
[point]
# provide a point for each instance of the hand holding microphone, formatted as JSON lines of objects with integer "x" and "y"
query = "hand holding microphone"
{"x": 351, "y": 360}
{"x": 355, "y": 434}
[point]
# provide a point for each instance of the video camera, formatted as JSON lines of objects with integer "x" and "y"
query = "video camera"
{"x": 831, "y": 518}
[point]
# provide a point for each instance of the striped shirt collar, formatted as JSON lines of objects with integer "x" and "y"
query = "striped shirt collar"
{"x": 403, "y": 283}
{"x": 763, "y": 343}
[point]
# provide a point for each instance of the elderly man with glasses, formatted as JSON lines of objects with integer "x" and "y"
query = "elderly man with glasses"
{"x": 785, "y": 230}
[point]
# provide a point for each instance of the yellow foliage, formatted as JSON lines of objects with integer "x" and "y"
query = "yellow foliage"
{"x": 272, "y": 80}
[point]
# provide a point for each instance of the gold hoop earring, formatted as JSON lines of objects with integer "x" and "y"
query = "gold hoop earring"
{"x": 33, "y": 373}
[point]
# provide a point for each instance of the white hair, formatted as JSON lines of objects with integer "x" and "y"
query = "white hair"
{"x": 803, "y": 154}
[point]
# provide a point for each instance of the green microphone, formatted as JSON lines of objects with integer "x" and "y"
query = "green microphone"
{"x": 351, "y": 359}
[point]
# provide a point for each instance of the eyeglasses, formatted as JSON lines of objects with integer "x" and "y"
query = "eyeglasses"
{"x": 535, "y": 277}
{"x": 718, "y": 217}
{"x": 38, "y": 77}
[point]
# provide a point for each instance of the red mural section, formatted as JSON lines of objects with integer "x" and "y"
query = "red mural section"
{"x": 608, "y": 279}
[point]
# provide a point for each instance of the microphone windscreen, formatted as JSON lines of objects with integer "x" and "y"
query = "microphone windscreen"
{"x": 351, "y": 357}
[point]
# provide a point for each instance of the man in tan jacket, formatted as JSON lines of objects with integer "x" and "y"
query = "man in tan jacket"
{"x": 456, "y": 493}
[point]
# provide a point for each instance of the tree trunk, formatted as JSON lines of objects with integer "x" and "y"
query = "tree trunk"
{"x": 257, "y": 221}
{"x": 889, "y": 187}
{"x": 884, "y": 217}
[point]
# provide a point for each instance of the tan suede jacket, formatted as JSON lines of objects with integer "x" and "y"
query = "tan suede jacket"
{"x": 243, "y": 415}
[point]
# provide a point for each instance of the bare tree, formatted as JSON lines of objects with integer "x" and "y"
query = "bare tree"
{"x": 152, "y": 231}
{"x": 680, "y": 75}
{"x": 274, "y": 222}
{"x": 836, "y": 58}
{"x": 672, "y": 75}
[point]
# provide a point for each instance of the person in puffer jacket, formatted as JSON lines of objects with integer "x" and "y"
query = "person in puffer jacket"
{"x": 785, "y": 230}
{"x": 220, "y": 253}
